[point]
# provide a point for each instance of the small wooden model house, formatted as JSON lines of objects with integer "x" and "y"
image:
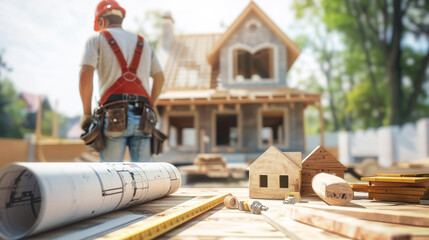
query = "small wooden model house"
{"x": 274, "y": 174}
{"x": 316, "y": 162}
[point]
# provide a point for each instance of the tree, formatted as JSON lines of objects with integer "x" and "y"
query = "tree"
{"x": 382, "y": 30}
{"x": 152, "y": 21}
{"x": 12, "y": 111}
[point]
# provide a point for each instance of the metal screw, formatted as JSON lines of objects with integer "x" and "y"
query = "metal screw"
{"x": 289, "y": 200}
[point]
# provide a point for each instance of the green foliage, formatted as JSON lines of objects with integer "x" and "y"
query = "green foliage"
{"x": 12, "y": 111}
{"x": 151, "y": 26}
{"x": 360, "y": 72}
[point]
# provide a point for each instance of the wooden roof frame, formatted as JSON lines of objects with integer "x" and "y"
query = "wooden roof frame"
{"x": 291, "y": 48}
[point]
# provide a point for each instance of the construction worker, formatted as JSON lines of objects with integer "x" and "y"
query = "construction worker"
{"x": 124, "y": 62}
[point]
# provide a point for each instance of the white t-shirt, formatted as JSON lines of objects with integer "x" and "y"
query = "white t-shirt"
{"x": 99, "y": 55}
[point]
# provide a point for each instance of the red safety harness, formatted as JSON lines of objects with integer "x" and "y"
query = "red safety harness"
{"x": 128, "y": 82}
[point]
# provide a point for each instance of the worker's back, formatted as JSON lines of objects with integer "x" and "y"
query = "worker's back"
{"x": 100, "y": 56}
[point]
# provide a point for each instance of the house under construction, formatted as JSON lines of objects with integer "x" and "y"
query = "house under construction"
{"x": 227, "y": 93}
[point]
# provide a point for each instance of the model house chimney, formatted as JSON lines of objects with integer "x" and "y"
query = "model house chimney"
{"x": 167, "y": 31}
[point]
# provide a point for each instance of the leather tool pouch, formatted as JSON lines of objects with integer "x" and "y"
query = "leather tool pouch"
{"x": 147, "y": 125}
{"x": 148, "y": 119}
{"x": 117, "y": 117}
{"x": 157, "y": 140}
{"x": 94, "y": 137}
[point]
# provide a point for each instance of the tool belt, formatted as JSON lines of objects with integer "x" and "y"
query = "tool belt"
{"x": 116, "y": 113}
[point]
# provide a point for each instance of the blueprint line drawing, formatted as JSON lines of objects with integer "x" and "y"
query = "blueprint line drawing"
{"x": 35, "y": 197}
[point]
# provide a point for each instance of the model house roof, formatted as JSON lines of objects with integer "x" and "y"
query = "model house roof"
{"x": 291, "y": 48}
{"x": 320, "y": 158}
{"x": 276, "y": 161}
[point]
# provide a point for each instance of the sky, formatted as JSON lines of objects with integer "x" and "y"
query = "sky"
{"x": 44, "y": 40}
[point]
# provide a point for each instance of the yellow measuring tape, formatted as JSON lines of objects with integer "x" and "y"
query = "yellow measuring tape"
{"x": 164, "y": 224}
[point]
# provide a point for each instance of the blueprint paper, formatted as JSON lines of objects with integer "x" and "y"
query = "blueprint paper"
{"x": 35, "y": 197}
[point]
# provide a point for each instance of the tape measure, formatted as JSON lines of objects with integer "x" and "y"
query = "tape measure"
{"x": 164, "y": 224}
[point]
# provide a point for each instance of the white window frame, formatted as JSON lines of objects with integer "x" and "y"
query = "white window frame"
{"x": 253, "y": 50}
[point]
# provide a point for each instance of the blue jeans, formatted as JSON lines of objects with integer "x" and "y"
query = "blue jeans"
{"x": 116, "y": 142}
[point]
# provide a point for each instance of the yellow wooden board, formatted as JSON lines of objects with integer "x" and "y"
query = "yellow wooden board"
{"x": 397, "y": 179}
{"x": 403, "y": 174}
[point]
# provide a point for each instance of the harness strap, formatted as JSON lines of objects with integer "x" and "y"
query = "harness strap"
{"x": 128, "y": 82}
{"x": 137, "y": 55}
{"x": 116, "y": 50}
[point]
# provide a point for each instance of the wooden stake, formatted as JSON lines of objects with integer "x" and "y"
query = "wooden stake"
{"x": 322, "y": 125}
{"x": 38, "y": 130}
{"x": 55, "y": 121}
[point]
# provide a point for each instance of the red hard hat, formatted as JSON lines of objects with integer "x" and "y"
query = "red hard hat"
{"x": 104, "y": 6}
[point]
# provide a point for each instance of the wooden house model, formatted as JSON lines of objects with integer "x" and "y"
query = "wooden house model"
{"x": 228, "y": 93}
{"x": 274, "y": 174}
{"x": 316, "y": 162}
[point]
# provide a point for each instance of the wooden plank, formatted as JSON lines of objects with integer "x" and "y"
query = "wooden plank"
{"x": 344, "y": 225}
{"x": 410, "y": 218}
{"x": 399, "y": 191}
{"x": 296, "y": 230}
{"x": 399, "y": 184}
{"x": 396, "y": 179}
{"x": 394, "y": 197}
{"x": 389, "y": 189}
{"x": 403, "y": 174}
{"x": 359, "y": 187}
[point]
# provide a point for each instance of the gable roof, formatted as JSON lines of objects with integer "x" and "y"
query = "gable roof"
{"x": 294, "y": 157}
{"x": 320, "y": 154}
{"x": 33, "y": 101}
{"x": 187, "y": 66}
{"x": 291, "y": 48}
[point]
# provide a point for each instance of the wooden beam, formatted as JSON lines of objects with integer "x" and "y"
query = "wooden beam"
{"x": 264, "y": 106}
{"x": 379, "y": 215}
{"x": 322, "y": 124}
{"x": 220, "y": 107}
{"x": 55, "y": 121}
{"x": 239, "y": 100}
{"x": 38, "y": 130}
{"x": 237, "y": 107}
{"x": 344, "y": 225}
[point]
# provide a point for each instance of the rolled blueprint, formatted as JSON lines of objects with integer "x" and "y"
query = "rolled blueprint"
{"x": 35, "y": 197}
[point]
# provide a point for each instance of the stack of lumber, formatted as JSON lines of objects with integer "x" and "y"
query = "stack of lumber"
{"x": 210, "y": 165}
{"x": 210, "y": 162}
{"x": 410, "y": 188}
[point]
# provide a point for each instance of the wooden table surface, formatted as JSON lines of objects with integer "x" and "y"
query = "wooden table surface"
{"x": 217, "y": 223}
